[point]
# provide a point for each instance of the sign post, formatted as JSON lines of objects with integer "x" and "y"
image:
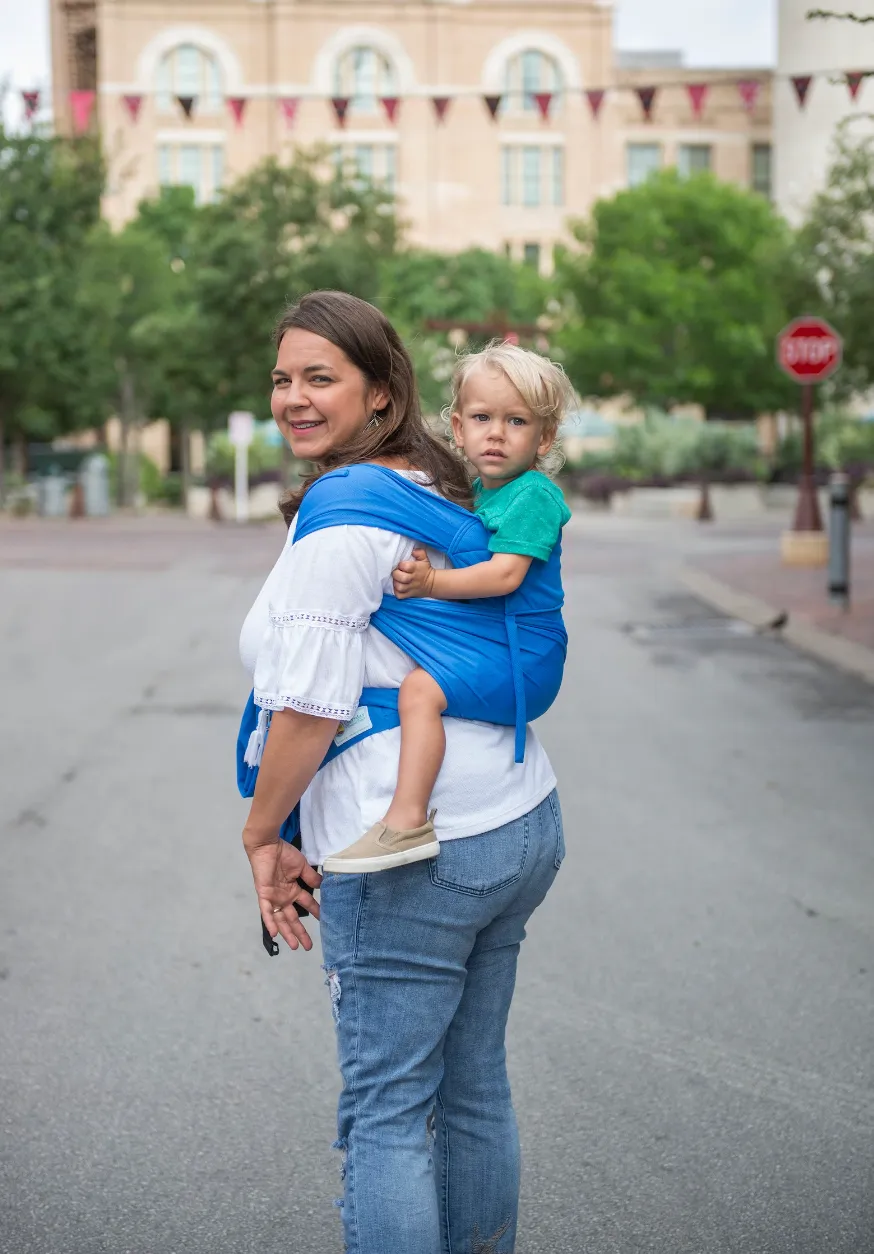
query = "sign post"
{"x": 241, "y": 428}
{"x": 809, "y": 351}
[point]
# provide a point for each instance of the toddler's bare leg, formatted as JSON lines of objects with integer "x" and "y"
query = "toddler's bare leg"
{"x": 423, "y": 743}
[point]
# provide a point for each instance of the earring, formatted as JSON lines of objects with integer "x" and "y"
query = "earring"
{"x": 375, "y": 419}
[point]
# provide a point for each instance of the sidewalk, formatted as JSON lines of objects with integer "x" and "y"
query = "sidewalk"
{"x": 756, "y": 586}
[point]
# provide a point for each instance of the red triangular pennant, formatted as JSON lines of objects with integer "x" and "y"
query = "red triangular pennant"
{"x": 493, "y": 104}
{"x": 133, "y": 104}
{"x": 801, "y": 83}
{"x": 31, "y": 103}
{"x": 81, "y": 104}
{"x": 595, "y": 98}
{"x": 390, "y": 104}
{"x": 186, "y": 104}
{"x": 441, "y": 105}
{"x": 749, "y": 89}
{"x": 288, "y": 105}
{"x": 698, "y": 96}
{"x": 341, "y": 107}
{"x": 646, "y": 96}
{"x": 854, "y": 82}
{"x": 543, "y": 100}
{"x": 237, "y": 106}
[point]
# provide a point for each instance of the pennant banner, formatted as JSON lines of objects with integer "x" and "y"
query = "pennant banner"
{"x": 341, "y": 108}
{"x": 441, "y": 105}
{"x": 81, "y": 103}
{"x": 133, "y": 104}
{"x": 698, "y": 96}
{"x": 801, "y": 83}
{"x": 390, "y": 104}
{"x": 186, "y": 104}
{"x": 493, "y": 104}
{"x": 750, "y": 89}
{"x": 646, "y": 96}
{"x": 854, "y": 82}
{"x": 543, "y": 100}
{"x": 237, "y": 105}
{"x": 288, "y": 105}
{"x": 596, "y": 100}
{"x": 31, "y": 103}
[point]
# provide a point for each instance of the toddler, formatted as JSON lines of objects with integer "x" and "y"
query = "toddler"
{"x": 507, "y": 406}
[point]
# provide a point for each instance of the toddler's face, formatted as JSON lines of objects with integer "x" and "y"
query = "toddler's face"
{"x": 498, "y": 432}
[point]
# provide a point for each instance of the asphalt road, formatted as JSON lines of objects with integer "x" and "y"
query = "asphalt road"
{"x": 693, "y": 1035}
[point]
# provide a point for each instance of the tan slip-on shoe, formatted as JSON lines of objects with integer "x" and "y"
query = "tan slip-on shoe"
{"x": 382, "y": 848}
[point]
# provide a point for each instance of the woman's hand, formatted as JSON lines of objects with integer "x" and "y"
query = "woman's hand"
{"x": 276, "y": 867}
{"x": 414, "y": 578}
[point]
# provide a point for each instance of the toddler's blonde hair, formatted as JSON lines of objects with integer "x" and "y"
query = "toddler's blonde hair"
{"x": 542, "y": 384}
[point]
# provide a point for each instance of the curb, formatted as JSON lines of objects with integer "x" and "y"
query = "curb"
{"x": 845, "y": 654}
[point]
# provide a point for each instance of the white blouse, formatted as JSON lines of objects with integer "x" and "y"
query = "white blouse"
{"x": 308, "y": 644}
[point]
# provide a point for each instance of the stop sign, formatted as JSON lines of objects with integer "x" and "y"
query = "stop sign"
{"x": 809, "y": 350}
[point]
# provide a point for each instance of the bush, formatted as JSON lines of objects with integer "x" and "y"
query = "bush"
{"x": 220, "y": 456}
{"x": 662, "y": 450}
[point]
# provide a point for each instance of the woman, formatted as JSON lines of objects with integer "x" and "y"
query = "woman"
{"x": 421, "y": 962}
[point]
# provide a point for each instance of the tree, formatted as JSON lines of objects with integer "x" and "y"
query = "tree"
{"x": 676, "y": 294}
{"x": 126, "y": 280}
{"x": 838, "y": 241}
{"x": 418, "y": 287}
{"x": 49, "y": 202}
{"x": 279, "y": 232}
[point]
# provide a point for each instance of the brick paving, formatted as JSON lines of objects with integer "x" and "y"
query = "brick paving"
{"x": 804, "y": 593}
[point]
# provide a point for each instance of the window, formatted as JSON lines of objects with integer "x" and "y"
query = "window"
{"x": 643, "y": 160}
{"x": 508, "y": 175}
{"x": 528, "y": 73}
{"x": 558, "y": 176}
{"x": 693, "y": 159}
{"x": 762, "y": 169}
{"x": 531, "y": 255}
{"x": 363, "y": 75}
{"x": 368, "y": 163}
{"x": 187, "y": 71}
{"x": 531, "y": 177}
{"x": 199, "y": 166}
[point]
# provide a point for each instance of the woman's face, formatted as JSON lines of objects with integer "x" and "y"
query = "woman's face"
{"x": 320, "y": 399}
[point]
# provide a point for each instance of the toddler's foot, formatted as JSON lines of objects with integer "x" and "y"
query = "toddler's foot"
{"x": 383, "y": 847}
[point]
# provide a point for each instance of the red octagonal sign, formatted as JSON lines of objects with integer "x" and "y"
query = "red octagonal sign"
{"x": 809, "y": 350}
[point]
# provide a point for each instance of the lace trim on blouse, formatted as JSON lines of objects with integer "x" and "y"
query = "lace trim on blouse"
{"x": 338, "y": 622}
{"x": 269, "y": 701}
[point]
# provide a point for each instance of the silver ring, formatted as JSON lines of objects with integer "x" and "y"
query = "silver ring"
{"x": 279, "y": 910}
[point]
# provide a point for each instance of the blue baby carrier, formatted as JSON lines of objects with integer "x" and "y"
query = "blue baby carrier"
{"x": 497, "y": 660}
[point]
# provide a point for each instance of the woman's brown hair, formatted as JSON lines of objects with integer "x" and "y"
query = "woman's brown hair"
{"x": 399, "y": 431}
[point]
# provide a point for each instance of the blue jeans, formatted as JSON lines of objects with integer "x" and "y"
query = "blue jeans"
{"x": 421, "y": 964}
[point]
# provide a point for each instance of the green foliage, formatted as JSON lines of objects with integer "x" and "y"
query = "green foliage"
{"x": 662, "y": 447}
{"x": 676, "y": 295}
{"x": 279, "y": 232}
{"x": 417, "y": 287}
{"x": 842, "y": 441}
{"x": 49, "y": 203}
{"x": 220, "y": 455}
{"x": 838, "y": 240}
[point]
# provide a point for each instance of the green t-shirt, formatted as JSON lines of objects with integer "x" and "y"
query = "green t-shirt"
{"x": 525, "y": 516}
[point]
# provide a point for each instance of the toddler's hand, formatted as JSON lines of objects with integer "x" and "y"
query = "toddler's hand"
{"x": 413, "y": 578}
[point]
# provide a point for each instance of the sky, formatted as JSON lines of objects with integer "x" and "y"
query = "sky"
{"x": 709, "y": 32}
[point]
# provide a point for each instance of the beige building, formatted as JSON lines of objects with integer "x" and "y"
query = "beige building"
{"x": 510, "y": 183}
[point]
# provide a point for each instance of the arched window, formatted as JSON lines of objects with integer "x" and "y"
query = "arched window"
{"x": 528, "y": 73}
{"x": 364, "y": 75}
{"x": 189, "y": 71}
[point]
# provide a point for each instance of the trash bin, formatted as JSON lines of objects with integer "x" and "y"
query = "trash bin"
{"x": 94, "y": 477}
{"x": 53, "y": 494}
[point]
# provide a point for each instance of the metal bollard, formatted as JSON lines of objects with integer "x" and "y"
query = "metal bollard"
{"x": 839, "y": 540}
